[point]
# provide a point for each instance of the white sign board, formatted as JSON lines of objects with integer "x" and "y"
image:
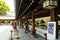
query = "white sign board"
{"x": 51, "y": 31}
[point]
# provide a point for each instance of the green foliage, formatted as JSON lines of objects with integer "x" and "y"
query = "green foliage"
{"x": 3, "y": 8}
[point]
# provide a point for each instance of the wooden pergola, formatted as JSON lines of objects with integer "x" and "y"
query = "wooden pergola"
{"x": 35, "y": 10}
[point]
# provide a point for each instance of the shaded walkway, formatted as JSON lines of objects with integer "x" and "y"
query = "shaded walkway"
{"x": 28, "y": 36}
{"x": 5, "y": 34}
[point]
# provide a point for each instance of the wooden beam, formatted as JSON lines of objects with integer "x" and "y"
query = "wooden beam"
{"x": 38, "y": 7}
{"x": 42, "y": 13}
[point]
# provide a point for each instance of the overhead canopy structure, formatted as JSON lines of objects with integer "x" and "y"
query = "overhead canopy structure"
{"x": 35, "y": 9}
{"x": 25, "y": 7}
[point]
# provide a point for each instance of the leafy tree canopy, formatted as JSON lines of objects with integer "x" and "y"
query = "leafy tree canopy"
{"x": 3, "y": 8}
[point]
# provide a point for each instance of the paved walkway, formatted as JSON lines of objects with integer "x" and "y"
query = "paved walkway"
{"x": 5, "y": 34}
{"x": 27, "y": 36}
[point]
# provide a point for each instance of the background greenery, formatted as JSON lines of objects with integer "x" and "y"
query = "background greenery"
{"x": 3, "y": 8}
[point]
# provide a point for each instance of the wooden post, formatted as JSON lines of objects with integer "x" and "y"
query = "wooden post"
{"x": 26, "y": 18}
{"x": 21, "y": 22}
{"x": 45, "y": 36}
{"x": 33, "y": 24}
{"x": 53, "y": 15}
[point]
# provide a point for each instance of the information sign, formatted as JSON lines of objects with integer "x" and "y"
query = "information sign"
{"x": 51, "y": 31}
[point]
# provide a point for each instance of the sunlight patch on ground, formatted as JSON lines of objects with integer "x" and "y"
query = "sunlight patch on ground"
{"x": 5, "y": 33}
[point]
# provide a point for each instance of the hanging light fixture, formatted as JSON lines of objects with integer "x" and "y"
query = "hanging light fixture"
{"x": 50, "y": 4}
{"x": 32, "y": 1}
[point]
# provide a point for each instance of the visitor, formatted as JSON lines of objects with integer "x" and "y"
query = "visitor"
{"x": 15, "y": 25}
{"x": 26, "y": 27}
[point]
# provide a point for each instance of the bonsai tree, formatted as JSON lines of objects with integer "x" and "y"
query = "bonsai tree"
{"x": 3, "y": 8}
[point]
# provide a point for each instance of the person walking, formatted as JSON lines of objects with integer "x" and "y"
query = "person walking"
{"x": 26, "y": 27}
{"x": 15, "y": 25}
